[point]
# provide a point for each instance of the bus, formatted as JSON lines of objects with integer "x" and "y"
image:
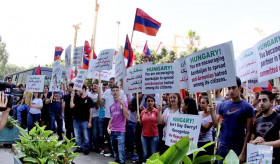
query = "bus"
{"x": 20, "y": 77}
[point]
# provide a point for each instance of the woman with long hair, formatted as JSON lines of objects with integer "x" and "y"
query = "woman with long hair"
{"x": 45, "y": 112}
{"x": 174, "y": 107}
{"x": 34, "y": 114}
{"x": 189, "y": 106}
{"x": 148, "y": 120}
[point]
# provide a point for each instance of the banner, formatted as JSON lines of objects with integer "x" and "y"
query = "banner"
{"x": 56, "y": 76}
{"x": 246, "y": 65}
{"x": 104, "y": 60}
{"x": 78, "y": 56}
{"x": 35, "y": 83}
{"x": 105, "y": 74}
{"x": 255, "y": 83}
{"x": 68, "y": 66}
{"x": 181, "y": 125}
{"x": 268, "y": 57}
{"x": 161, "y": 78}
{"x": 211, "y": 68}
{"x": 120, "y": 70}
{"x": 133, "y": 80}
{"x": 259, "y": 154}
{"x": 80, "y": 79}
{"x": 183, "y": 73}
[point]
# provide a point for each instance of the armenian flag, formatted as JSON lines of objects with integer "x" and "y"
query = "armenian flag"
{"x": 38, "y": 71}
{"x": 128, "y": 53}
{"x": 146, "y": 50}
{"x": 146, "y": 24}
{"x": 57, "y": 53}
{"x": 87, "y": 51}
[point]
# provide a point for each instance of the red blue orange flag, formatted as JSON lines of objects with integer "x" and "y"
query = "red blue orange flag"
{"x": 128, "y": 53}
{"x": 86, "y": 56}
{"x": 146, "y": 24}
{"x": 38, "y": 71}
{"x": 57, "y": 53}
{"x": 146, "y": 50}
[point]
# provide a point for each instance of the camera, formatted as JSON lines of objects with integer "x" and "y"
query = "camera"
{"x": 3, "y": 86}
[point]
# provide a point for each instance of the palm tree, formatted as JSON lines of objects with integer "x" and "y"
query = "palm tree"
{"x": 193, "y": 37}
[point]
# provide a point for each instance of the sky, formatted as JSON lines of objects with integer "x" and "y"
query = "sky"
{"x": 32, "y": 28}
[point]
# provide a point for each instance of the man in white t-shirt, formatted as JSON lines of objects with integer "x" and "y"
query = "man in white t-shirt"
{"x": 109, "y": 100}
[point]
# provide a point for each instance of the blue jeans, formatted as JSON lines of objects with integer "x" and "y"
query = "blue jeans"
{"x": 94, "y": 125}
{"x": 117, "y": 142}
{"x": 130, "y": 132}
{"x": 58, "y": 118}
{"x": 23, "y": 107}
{"x": 223, "y": 151}
{"x": 31, "y": 119}
{"x": 14, "y": 109}
{"x": 150, "y": 145}
{"x": 81, "y": 126}
{"x": 101, "y": 129}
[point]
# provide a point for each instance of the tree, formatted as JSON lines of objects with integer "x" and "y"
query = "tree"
{"x": 9, "y": 69}
{"x": 3, "y": 57}
{"x": 193, "y": 37}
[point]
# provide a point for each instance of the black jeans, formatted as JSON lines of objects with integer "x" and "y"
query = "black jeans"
{"x": 69, "y": 126}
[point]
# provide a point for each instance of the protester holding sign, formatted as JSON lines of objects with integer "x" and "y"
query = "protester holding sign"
{"x": 175, "y": 103}
{"x": 266, "y": 130}
{"x": 45, "y": 111}
{"x": 205, "y": 135}
{"x": 148, "y": 120}
{"x": 237, "y": 114}
{"x": 34, "y": 114}
{"x": 189, "y": 106}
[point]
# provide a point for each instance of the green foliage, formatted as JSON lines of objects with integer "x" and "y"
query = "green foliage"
{"x": 3, "y": 57}
{"x": 11, "y": 123}
{"x": 9, "y": 69}
{"x": 231, "y": 158}
{"x": 38, "y": 146}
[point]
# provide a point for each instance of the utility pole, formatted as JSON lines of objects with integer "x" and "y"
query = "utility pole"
{"x": 94, "y": 29}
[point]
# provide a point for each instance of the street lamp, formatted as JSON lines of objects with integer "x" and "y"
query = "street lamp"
{"x": 118, "y": 23}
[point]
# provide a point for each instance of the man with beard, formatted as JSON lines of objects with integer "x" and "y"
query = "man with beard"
{"x": 266, "y": 130}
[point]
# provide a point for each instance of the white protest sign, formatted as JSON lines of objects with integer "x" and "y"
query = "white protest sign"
{"x": 78, "y": 56}
{"x": 104, "y": 60}
{"x": 56, "y": 76}
{"x": 105, "y": 74}
{"x": 68, "y": 66}
{"x": 259, "y": 154}
{"x": 161, "y": 78}
{"x": 181, "y": 125}
{"x": 183, "y": 73}
{"x": 211, "y": 68}
{"x": 35, "y": 83}
{"x": 268, "y": 57}
{"x": 133, "y": 80}
{"x": 254, "y": 83}
{"x": 246, "y": 65}
{"x": 120, "y": 70}
{"x": 80, "y": 79}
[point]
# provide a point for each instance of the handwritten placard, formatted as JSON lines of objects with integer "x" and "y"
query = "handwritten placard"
{"x": 105, "y": 74}
{"x": 56, "y": 76}
{"x": 181, "y": 125}
{"x": 133, "y": 80}
{"x": 120, "y": 70}
{"x": 68, "y": 65}
{"x": 35, "y": 83}
{"x": 268, "y": 57}
{"x": 259, "y": 154}
{"x": 183, "y": 73}
{"x": 80, "y": 79}
{"x": 211, "y": 68}
{"x": 78, "y": 56}
{"x": 104, "y": 60}
{"x": 161, "y": 78}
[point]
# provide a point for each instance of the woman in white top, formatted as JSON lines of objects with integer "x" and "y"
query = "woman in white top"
{"x": 205, "y": 135}
{"x": 174, "y": 107}
{"x": 34, "y": 114}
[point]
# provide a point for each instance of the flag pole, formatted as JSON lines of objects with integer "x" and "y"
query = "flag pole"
{"x": 77, "y": 27}
{"x": 94, "y": 29}
{"x": 133, "y": 28}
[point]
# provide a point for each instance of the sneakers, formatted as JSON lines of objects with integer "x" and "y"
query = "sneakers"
{"x": 77, "y": 151}
{"x": 107, "y": 154}
{"x": 102, "y": 152}
{"x": 86, "y": 152}
{"x": 127, "y": 156}
{"x": 135, "y": 157}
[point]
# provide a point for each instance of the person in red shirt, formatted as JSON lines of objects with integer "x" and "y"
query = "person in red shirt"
{"x": 148, "y": 120}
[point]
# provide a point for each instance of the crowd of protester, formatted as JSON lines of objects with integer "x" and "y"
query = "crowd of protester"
{"x": 105, "y": 120}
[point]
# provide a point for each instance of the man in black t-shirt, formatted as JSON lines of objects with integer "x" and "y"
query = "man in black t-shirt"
{"x": 68, "y": 113}
{"x": 266, "y": 130}
{"x": 82, "y": 119}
